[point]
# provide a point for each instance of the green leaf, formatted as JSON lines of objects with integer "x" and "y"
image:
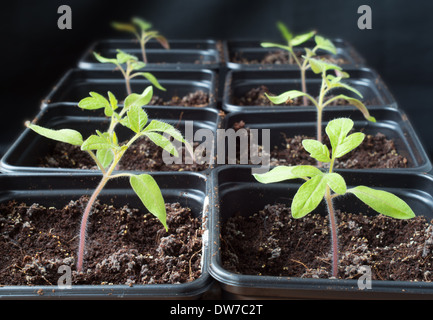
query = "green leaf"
{"x": 282, "y": 173}
{"x": 336, "y": 182}
{"x": 103, "y": 59}
{"x": 342, "y": 74}
{"x": 105, "y": 157}
{"x": 162, "y": 142}
{"x": 136, "y": 118}
{"x": 96, "y": 142}
{"x": 139, "y": 100}
{"x": 159, "y": 126}
{"x": 123, "y": 57}
{"x": 317, "y": 150}
{"x": 309, "y": 196}
{"x": 113, "y": 102}
{"x": 143, "y": 24}
{"x": 325, "y": 44}
{"x": 349, "y": 143}
{"x": 150, "y": 195}
{"x": 149, "y": 35}
{"x": 277, "y": 174}
{"x": 303, "y": 171}
{"x": 383, "y": 202}
{"x": 309, "y": 53}
{"x": 63, "y": 135}
{"x": 152, "y": 79}
{"x": 337, "y": 131}
{"x": 95, "y": 101}
{"x": 335, "y": 83}
{"x": 285, "y": 32}
{"x": 137, "y": 65}
{"x": 123, "y": 26}
{"x": 288, "y": 95}
{"x": 319, "y": 66}
{"x": 300, "y": 39}
{"x": 358, "y": 104}
{"x": 276, "y": 45}
{"x": 331, "y": 79}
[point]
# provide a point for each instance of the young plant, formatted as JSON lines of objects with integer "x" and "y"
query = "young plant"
{"x": 141, "y": 30}
{"x": 109, "y": 152}
{"x": 292, "y": 41}
{"x": 127, "y": 64}
{"x": 329, "y": 185}
{"x": 329, "y": 83}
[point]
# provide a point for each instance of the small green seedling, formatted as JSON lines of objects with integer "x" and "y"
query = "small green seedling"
{"x": 319, "y": 184}
{"x": 131, "y": 64}
{"x": 292, "y": 41}
{"x": 329, "y": 82}
{"x": 142, "y": 31}
{"x": 109, "y": 152}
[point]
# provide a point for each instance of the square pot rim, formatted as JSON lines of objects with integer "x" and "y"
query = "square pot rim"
{"x": 229, "y": 106}
{"x": 7, "y": 167}
{"x": 69, "y": 74}
{"x": 188, "y": 290}
{"x": 86, "y": 64}
{"x": 237, "y": 283}
{"x": 340, "y": 43}
{"x": 424, "y": 166}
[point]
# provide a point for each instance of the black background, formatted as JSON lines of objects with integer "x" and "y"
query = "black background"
{"x": 35, "y": 53}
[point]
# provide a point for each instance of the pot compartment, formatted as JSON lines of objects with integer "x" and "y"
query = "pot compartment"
{"x": 76, "y": 85}
{"x": 364, "y": 80}
{"x": 232, "y": 186}
{"x": 195, "y": 54}
{"x": 189, "y": 189}
{"x": 252, "y": 50}
{"x": 25, "y": 153}
{"x": 391, "y": 122}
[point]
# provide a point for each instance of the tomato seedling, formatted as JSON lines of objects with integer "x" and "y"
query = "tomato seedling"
{"x": 321, "y": 185}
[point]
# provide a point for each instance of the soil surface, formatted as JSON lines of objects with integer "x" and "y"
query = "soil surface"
{"x": 271, "y": 242}
{"x": 124, "y": 245}
{"x": 282, "y": 57}
{"x": 193, "y": 99}
{"x": 376, "y": 151}
{"x": 143, "y": 155}
{"x": 256, "y": 97}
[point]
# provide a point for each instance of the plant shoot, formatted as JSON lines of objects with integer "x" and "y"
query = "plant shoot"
{"x": 141, "y": 29}
{"x": 293, "y": 41}
{"x": 106, "y": 151}
{"x": 321, "y": 185}
{"x": 329, "y": 82}
{"x": 127, "y": 64}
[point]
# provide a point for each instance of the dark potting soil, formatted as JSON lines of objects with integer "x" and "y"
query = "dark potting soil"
{"x": 256, "y": 97}
{"x": 193, "y": 99}
{"x": 142, "y": 155}
{"x": 124, "y": 245}
{"x": 271, "y": 242}
{"x": 282, "y": 57}
{"x": 376, "y": 151}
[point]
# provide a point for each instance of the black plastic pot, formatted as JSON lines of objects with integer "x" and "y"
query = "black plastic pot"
{"x": 392, "y": 122}
{"x": 77, "y": 83}
{"x": 24, "y": 154}
{"x": 183, "y": 54}
{"x": 239, "y": 82}
{"x": 252, "y": 50}
{"x": 189, "y": 189}
{"x": 234, "y": 188}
